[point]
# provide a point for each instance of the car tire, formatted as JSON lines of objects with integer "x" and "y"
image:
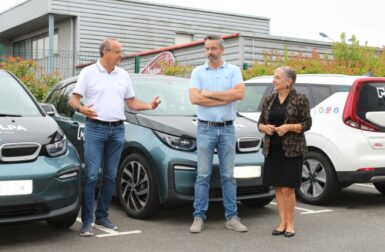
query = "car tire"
{"x": 63, "y": 222}
{"x": 319, "y": 184}
{"x": 257, "y": 202}
{"x": 380, "y": 186}
{"x": 136, "y": 187}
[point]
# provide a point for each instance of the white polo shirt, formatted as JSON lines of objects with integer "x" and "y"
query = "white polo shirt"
{"x": 106, "y": 92}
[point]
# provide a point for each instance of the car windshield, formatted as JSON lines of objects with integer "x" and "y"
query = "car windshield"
{"x": 252, "y": 98}
{"x": 173, "y": 93}
{"x": 14, "y": 100}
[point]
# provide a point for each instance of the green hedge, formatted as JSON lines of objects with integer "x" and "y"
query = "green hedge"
{"x": 26, "y": 70}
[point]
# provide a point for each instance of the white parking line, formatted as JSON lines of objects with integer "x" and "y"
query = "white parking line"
{"x": 365, "y": 185}
{"x": 110, "y": 232}
{"x": 308, "y": 211}
{"x": 115, "y": 233}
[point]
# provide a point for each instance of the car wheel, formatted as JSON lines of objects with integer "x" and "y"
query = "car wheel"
{"x": 257, "y": 202}
{"x": 319, "y": 183}
{"x": 136, "y": 187}
{"x": 380, "y": 186}
{"x": 63, "y": 222}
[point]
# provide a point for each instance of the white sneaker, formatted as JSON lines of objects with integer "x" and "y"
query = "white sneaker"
{"x": 197, "y": 225}
{"x": 235, "y": 224}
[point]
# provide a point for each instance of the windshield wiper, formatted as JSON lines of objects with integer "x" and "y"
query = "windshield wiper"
{"x": 9, "y": 115}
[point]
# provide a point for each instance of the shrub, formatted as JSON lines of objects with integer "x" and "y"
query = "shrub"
{"x": 350, "y": 59}
{"x": 176, "y": 70}
{"x": 26, "y": 71}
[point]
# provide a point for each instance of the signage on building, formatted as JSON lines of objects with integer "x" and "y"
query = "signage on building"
{"x": 154, "y": 66}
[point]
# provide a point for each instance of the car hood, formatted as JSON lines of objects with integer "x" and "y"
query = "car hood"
{"x": 186, "y": 125}
{"x": 39, "y": 129}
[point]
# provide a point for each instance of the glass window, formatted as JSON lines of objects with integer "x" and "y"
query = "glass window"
{"x": 40, "y": 45}
{"x": 60, "y": 98}
{"x": 371, "y": 99}
{"x": 14, "y": 99}
{"x": 173, "y": 93}
{"x": 19, "y": 49}
{"x": 320, "y": 93}
{"x": 181, "y": 38}
{"x": 304, "y": 89}
{"x": 252, "y": 98}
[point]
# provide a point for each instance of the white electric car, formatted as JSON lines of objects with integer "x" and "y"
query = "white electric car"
{"x": 347, "y": 140}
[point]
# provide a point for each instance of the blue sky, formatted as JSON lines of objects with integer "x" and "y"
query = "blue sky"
{"x": 299, "y": 18}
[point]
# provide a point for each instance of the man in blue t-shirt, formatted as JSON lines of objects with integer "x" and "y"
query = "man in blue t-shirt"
{"x": 214, "y": 87}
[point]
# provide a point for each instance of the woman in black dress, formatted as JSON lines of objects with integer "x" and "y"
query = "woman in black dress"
{"x": 284, "y": 118}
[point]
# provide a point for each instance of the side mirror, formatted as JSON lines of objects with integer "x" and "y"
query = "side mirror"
{"x": 48, "y": 108}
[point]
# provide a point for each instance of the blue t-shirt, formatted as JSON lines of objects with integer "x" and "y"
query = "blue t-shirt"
{"x": 221, "y": 79}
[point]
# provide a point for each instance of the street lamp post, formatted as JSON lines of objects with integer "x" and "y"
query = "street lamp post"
{"x": 332, "y": 40}
{"x": 326, "y": 36}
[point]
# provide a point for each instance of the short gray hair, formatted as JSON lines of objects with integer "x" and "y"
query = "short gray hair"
{"x": 289, "y": 73}
{"x": 105, "y": 45}
{"x": 220, "y": 40}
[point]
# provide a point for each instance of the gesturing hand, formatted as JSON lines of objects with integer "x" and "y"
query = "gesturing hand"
{"x": 155, "y": 102}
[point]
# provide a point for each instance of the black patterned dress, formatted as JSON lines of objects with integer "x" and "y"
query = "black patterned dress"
{"x": 280, "y": 171}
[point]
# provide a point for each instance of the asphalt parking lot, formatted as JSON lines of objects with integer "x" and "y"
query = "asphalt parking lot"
{"x": 354, "y": 222}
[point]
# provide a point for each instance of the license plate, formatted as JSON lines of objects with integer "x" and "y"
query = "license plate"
{"x": 15, "y": 187}
{"x": 247, "y": 171}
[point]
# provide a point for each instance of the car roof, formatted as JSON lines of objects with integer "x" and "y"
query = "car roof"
{"x": 329, "y": 79}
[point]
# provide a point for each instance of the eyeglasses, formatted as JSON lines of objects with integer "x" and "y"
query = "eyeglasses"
{"x": 117, "y": 52}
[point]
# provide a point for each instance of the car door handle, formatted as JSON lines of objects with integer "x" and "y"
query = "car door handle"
{"x": 74, "y": 125}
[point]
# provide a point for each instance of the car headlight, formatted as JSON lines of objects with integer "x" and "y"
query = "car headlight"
{"x": 178, "y": 143}
{"x": 58, "y": 147}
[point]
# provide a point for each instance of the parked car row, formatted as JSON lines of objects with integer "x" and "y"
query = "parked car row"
{"x": 347, "y": 140}
{"x": 40, "y": 170}
{"x": 158, "y": 162}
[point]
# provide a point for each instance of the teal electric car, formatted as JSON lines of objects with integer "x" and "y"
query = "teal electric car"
{"x": 40, "y": 171}
{"x": 158, "y": 163}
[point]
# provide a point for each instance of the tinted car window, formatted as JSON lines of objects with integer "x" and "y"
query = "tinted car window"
{"x": 252, "y": 98}
{"x": 371, "y": 99}
{"x": 320, "y": 93}
{"x": 304, "y": 89}
{"x": 14, "y": 100}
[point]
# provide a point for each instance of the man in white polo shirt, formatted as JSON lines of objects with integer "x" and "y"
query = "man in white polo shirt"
{"x": 105, "y": 88}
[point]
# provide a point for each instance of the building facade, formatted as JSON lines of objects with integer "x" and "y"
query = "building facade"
{"x": 61, "y": 34}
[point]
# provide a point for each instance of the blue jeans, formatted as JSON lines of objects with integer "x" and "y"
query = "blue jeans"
{"x": 101, "y": 143}
{"x": 223, "y": 139}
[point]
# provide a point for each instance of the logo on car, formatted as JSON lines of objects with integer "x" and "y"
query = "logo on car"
{"x": 381, "y": 92}
{"x": 12, "y": 127}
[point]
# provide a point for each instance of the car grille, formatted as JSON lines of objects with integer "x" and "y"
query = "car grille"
{"x": 17, "y": 152}
{"x": 20, "y": 211}
{"x": 248, "y": 144}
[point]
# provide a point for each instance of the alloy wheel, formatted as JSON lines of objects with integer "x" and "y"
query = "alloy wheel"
{"x": 134, "y": 186}
{"x": 313, "y": 178}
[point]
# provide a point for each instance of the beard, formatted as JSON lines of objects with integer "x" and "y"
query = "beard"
{"x": 212, "y": 58}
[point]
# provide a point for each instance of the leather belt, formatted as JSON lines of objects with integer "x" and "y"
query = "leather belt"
{"x": 216, "y": 124}
{"x": 110, "y": 124}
